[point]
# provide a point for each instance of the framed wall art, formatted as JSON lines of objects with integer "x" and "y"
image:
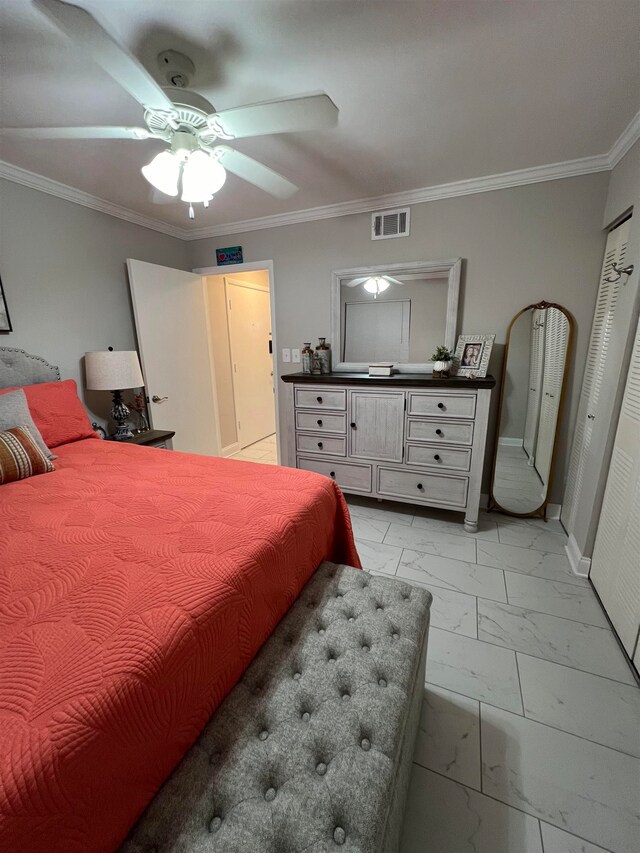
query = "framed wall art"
{"x": 472, "y": 355}
{"x": 5, "y": 320}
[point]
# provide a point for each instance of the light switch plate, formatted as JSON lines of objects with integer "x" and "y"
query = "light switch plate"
{"x": 295, "y": 356}
{"x": 286, "y": 355}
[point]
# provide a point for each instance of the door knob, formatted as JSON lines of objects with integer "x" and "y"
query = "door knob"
{"x": 591, "y": 417}
{"x": 156, "y": 399}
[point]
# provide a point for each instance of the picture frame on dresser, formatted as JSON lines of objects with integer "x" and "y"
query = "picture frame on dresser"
{"x": 5, "y": 319}
{"x": 472, "y": 355}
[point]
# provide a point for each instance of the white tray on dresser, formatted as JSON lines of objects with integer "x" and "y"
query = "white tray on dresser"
{"x": 406, "y": 437}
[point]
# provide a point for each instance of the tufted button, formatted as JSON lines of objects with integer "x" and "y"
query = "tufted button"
{"x": 321, "y": 768}
{"x": 297, "y": 676}
{"x": 382, "y": 682}
{"x": 346, "y": 697}
{"x": 379, "y": 608}
{"x": 263, "y": 734}
{"x": 331, "y": 659}
{"x": 339, "y": 835}
{"x": 365, "y": 743}
{"x": 320, "y": 630}
{"x": 213, "y": 758}
{"x": 215, "y": 823}
{"x": 351, "y": 619}
{"x": 270, "y": 795}
{"x": 339, "y": 595}
{"x": 395, "y": 635}
{"x": 257, "y": 689}
{"x": 365, "y": 648}
{"x": 306, "y": 716}
{"x": 311, "y": 605}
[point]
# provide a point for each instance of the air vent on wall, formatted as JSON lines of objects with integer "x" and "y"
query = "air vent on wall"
{"x": 390, "y": 223}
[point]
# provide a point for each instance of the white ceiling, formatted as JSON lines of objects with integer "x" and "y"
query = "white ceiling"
{"x": 429, "y": 92}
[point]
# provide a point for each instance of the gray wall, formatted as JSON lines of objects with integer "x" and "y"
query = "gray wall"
{"x": 520, "y": 245}
{"x": 64, "y": 276}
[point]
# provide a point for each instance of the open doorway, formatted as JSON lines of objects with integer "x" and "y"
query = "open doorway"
{"x": 239, "y": 309}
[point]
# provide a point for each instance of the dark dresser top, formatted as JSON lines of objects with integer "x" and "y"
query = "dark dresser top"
{"x": 397, "y": 380}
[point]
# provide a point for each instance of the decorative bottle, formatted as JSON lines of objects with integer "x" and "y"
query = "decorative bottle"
{"x": 323, "y": 351}
{"x": 307, "y": 358}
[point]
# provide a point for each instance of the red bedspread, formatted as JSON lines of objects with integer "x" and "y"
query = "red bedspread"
{"x": 135, "y": 587}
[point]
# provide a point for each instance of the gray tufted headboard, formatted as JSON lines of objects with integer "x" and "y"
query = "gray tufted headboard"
{"x": 18, "y": 367}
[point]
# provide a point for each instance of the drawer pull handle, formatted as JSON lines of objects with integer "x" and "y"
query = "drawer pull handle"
{"x": 332, "y": 473}
{"x": 420, "y": 486}
{"x": 320, "y": 445}
{"x": 353, "y": 425}
{"x": 437, "y": 457}
{"x": 319, "y": 399}
{"x": 319, "y": 422}
{"x": 441, "y": 405}
{"x": 439, "y": 432}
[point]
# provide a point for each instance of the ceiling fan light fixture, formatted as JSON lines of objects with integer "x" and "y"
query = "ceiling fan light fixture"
{"x": 163, "y": 173}
{"x": 202, "y": 177}
{"x": 376, "y": 285}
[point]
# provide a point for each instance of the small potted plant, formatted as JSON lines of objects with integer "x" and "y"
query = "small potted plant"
{"x": 442, "y": 358}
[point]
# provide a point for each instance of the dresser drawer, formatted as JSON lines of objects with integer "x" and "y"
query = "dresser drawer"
{"x": 439, "y": 456}
{"x": 440, "y": 432}
{"x": 423, "y": 487}
{"x": 442, "y": 405}
{"x": 324, "y": 444}
{"x": 355, "y": 478}
{"x": 320, "y": 398}
{"x": 321, "y": 422}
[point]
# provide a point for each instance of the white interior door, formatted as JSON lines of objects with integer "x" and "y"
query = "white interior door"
{"x": 249, "y": 315}
{"x": 615, "y": 566}
{"x": 596, "y": 398}
{"x": 173, "y": 337}
{"x": 534, "y": 394}
{"x": 377, "y": 331}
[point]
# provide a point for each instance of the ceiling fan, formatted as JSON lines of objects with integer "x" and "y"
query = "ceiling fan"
{"x": 374, "y": 284}
{"x": 196, "y": 163}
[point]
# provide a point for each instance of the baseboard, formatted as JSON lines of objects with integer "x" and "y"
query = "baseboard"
{"x": 510, "y": 442}
{"x": 230, "y": 449}
{"x": 580, "y": 565}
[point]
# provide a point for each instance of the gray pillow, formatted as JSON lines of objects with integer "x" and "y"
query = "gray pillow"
{"x": 14, "y": 411}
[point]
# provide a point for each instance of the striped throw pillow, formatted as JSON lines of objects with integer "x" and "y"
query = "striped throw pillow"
{"x": 20, "y": 456}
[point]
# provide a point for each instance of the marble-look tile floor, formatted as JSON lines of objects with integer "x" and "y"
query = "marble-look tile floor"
{"x": 517, "y": 484}
{"x": 529, "y": 740}
{"x": 263, "y": 451}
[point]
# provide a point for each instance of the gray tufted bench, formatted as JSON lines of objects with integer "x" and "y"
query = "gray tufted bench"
{"x": 311, "y": 751}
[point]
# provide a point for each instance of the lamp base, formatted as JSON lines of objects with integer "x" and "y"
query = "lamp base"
{"x": 120, "y": 413}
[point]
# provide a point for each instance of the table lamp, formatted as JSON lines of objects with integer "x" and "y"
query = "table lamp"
{"x": 114, "y": 371}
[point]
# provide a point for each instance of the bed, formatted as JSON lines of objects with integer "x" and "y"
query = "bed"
{"x": 136, "y": 585}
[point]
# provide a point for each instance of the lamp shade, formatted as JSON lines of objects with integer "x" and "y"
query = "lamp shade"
{"x": 112, "y": 371}
{"x": 163, "y": 172}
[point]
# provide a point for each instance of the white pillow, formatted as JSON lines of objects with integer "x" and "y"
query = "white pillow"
{"x": 14, "y": 412}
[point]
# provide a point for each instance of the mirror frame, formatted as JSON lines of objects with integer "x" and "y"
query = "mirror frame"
{"x": 540, "y": 511}
{"x": 451, "y": 269}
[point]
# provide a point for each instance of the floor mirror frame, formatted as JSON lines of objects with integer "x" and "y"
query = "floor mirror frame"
{"x": 541, "y": 511}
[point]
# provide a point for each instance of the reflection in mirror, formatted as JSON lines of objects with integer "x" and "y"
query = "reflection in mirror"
{"x": 534, "y": 375}
{"x": 400, "y": 319}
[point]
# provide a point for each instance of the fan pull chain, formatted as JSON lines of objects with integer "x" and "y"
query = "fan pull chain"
{"x": 205, "y": 204}
{"x": 191, "y": 212}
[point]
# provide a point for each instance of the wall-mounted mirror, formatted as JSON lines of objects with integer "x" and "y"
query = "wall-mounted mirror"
{"x": 534, "y": 377}
{"x": 397, "y": 313}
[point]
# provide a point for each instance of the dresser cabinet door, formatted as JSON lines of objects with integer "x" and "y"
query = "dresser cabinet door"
{"x": 376, "y": 425}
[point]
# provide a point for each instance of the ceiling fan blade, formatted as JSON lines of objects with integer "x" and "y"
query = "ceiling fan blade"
{"x": 91, "y": 37}
{"x": 77, "y": 132}
{"x": 356, "y": 281}
{"x": 254, "y": 172}
{"x": 313, "y": 112}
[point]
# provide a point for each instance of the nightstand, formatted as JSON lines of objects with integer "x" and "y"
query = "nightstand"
{"x": 151, "y": 438}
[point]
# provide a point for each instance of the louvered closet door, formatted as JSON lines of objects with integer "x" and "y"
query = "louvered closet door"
{"x": 606, "y": 305}
{"x": 615, "y": 566}
{"x": 536, "y": 363}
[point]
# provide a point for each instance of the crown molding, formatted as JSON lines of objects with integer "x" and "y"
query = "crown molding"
{"x": 55, "y": 188}
{"x": 629, "y": 136}
{"x": 534, "y": 175}
{"x": 471, "y": 186}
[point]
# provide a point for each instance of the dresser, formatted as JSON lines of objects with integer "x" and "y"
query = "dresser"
{"x": 406, "y": 437}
